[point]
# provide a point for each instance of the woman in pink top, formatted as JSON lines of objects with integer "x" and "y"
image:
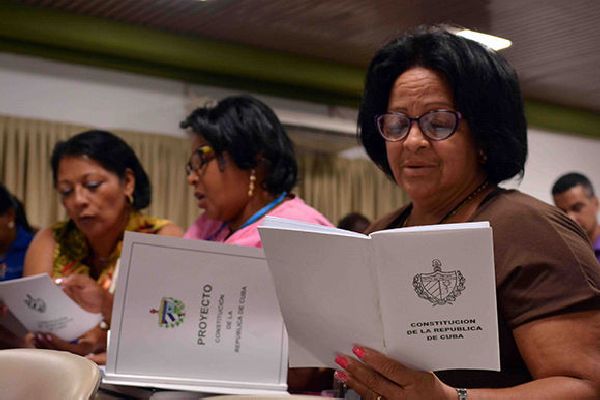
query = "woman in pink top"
{"x": 292, "y": 208}
{"x": 242, "y": 168}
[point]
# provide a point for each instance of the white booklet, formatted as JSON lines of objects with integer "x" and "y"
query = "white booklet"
{"x": 41, "y": 306}
{"x": 423, "y": 295}
{"x": 195, "y": 315}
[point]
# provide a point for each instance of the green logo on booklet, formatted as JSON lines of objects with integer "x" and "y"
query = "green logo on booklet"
{"x": 439, "y": 287}
{"x": 171, "y": 312}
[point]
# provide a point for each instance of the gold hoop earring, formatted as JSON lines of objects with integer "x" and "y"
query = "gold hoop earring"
{"x": 130, "y": 199}
{"x": 251, "y": 185}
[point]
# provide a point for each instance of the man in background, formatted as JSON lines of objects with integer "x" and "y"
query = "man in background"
{"x": 574, "y": 194}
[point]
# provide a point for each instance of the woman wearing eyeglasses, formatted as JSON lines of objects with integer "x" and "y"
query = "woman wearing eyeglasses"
{"x": 443, "y": 116}
{"x": 242, "y": 168}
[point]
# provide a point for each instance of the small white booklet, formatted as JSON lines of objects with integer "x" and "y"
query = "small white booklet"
{"x": 195, "y": 315}
{"x": 41, "y": 306}
{"x": 423, "y": 295}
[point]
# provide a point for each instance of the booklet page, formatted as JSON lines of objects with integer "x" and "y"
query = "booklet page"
{"x": 327, "y": 289}
{"x": 42, "y": 306}
{"x": 438, "y": 297}
{"x": 423, "y": 295}
{"x": 288, "y": 224}
{"x": 196, "y": 312}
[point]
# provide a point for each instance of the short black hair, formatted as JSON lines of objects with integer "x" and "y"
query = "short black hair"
{"x": 485, "y": 87}
{"x": 250, "y": 132}
{"x": 569, "y": 181}
{"x": 7, "y": 202}
{"x": 354, "y": 221}
{"x": 112, "y": 153}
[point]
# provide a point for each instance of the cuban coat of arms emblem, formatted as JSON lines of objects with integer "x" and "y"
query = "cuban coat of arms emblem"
{"x": 171, "y": 312}
{"x": 439, "y": 287}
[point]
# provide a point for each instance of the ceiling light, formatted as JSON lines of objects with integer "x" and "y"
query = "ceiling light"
{"x": 493, "y": 42}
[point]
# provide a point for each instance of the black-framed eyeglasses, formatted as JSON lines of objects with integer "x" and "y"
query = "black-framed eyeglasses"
{"x": 201, "y": 156}
{"x": 435, "y": 124}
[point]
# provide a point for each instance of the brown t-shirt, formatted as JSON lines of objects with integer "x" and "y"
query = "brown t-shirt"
{"x": 544, "y": 265}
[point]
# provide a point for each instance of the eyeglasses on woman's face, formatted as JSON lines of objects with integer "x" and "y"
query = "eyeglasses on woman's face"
{"x": 201, "y": 156}
{"x": 435, "y": 124}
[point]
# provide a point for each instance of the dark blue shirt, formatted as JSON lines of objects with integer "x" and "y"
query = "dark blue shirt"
{"x": 15, "y": 256}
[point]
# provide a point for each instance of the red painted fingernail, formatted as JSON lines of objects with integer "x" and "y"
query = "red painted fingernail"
{"x": 359, "y": 351}
{"x": 341, "y": 361}
{"x": 341, "y": 376}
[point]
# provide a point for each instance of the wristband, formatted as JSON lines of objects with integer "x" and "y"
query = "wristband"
{"x": 462, "y": 394}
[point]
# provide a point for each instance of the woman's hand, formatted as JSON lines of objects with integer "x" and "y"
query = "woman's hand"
{"x": 377, "y": 377}
{"x": 98, "y": 358}
{"x": 84, "y": 291}
{"x": 93, "y": 341}
{"x": 88, "y": 294}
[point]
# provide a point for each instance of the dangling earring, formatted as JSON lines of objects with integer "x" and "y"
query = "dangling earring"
{"x": 251, "y": 185}
{"x": 11, "y": 224}
{"x": 130, "y": 199}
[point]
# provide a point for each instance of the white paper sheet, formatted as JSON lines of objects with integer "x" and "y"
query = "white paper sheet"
{"x": 196, "y": 314}
{"x": 41, "y": 306}
{"x": 337, "y": 289}
{"x": 459, "y": 331}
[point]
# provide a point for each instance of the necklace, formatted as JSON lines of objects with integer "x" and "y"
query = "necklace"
{"x": 260, "y": 213}
{"x": 255, "y": 217}
{"x": 456, "y": 209}
{"x": 470, "y": 197}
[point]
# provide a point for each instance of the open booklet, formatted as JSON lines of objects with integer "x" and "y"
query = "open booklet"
{"x": 423, "y": 295}
{"x": 41, "y": 306}
{"x": 195, "y": 315}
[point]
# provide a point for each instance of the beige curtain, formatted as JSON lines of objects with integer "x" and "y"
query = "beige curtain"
{"x": 25, "y": 149}
{"x": 26, "y": 146}
{"x": 333, "y": 185}
{"x": 336, "y": 186}
{"x": 164, "y": 158}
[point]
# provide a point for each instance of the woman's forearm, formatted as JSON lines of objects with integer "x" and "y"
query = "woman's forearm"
{"x": 553, "y": 388}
